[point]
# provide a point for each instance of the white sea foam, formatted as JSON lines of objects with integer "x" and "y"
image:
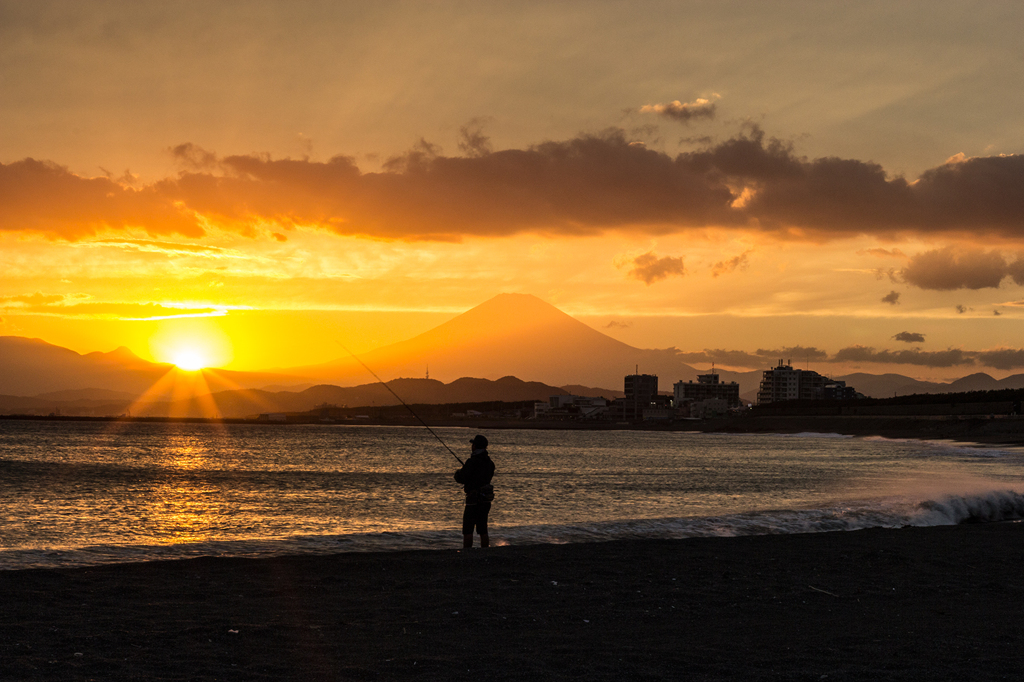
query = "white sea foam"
{"x": 987, "y": 507}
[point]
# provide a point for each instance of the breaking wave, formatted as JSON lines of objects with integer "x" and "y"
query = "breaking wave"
{"x": 989, "y": 507}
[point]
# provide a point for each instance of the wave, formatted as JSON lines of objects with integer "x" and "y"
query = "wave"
{"x": 812, "y": 434}
{"x": 988, "y": 507}
{"x": 951, "y": 446}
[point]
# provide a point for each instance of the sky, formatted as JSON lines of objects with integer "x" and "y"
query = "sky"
{"x": 839, "y": 184}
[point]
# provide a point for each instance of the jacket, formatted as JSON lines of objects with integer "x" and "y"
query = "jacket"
{"x": 476, "y": 473}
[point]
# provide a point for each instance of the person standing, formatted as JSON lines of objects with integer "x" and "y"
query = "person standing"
{"x": 475, "y": 477}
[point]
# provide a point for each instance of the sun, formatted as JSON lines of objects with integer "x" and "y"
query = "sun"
{"x": 190, "y": 359}
{"x": 191, "y": 344}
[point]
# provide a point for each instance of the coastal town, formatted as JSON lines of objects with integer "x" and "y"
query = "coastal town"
{"x": 708, "y": 397}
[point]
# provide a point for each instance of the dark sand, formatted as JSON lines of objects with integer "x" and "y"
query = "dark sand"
{"x": 911, "y": 604}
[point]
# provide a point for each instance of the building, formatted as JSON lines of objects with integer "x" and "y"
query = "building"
{"x": 641, "y": 398}
{"x": 640, "y": 387}
{"x": 838, "y": 390}
{"x": 569, "y": 407}
{"x": 707, "y": 387}
{"x": 785, "y": 383}
{"x": 708, "y": 408}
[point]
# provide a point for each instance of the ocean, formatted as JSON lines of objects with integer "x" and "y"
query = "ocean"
{"x": 86, "y": 493}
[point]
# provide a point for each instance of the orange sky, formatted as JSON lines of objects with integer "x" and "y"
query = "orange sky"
{"x": 837, "y": 182}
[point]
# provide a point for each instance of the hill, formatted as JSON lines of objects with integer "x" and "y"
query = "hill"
{"x": 33, "y": 367}
{"x": 249, "y": 402}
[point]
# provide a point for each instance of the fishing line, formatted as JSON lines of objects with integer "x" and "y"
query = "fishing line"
{"x": 411, "y": 411}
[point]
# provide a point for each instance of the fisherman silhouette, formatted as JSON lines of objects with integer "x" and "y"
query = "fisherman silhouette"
{"x": 475, "y": 477}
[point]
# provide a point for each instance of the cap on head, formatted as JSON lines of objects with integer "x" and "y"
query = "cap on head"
{"x": 479, "y": 442}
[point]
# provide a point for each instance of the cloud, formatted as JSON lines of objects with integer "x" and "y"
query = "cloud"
{"x": 996, "y": 313}
{"x": 614, "y": 324}
{"x": 1000, "y": 358}
{"x": 720, "y": 356}
{"x": 580, "y": 186}
{"x": 472, "y": 141}
{"x": 683, "y": 111}
{"x": 960, "y": 309}
{"x": 194, "y": 157}
{"x": 891, "y": 273}
{"x": 40, "y": 196}
{"x": 946, "y": 270}
{"x": 163, "y": 247}
{"x": 790, "y": 352}
{"x": 30, "y": 300}
{"x": 892, "y": 298}
{"x": 1003, "y": 358}
{"x": 737, "y": 263}
{"x": 944, "y": 358}
{"x": 648, "y": 268}
{"x": 760, "y": 358}
{"x": 883, "y": 253}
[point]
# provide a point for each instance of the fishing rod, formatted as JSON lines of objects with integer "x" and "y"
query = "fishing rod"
{"x": 411, "y": 411}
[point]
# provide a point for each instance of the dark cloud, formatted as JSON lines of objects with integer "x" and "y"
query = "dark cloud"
{"x": 977, "y": 191}
{"x": 832, "y": 196}
{"x": 472, "y": 141}
{"x": 737, "y": 263}
{"x": 648, "y": 268}
{"x": 279, "y": 237}
{"x": 729, "y": 358}
{"x": 960, "y": 309}
{"x": 580, "y": 186}
{"x": 614, "y": 324}
{"x": 943, "y": 358}
{"x": 1006, "y": 358}
{"x": 193, "y": 157}
{"x": 683, "y": 111}
{"x": 892, "y": 298}
{"x": 43, "y": 197}
{"x": 946, "y": 270}
{"x": 996, "y": 313}
{"x": 790, "y": 352}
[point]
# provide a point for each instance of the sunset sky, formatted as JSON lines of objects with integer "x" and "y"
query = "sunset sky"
{"x": 836, "y": 183}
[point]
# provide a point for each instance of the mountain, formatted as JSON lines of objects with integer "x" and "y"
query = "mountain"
{"x": 412, "y": 391}
{"x": 249, "y": 402}
{"x": 510, "y": 334}
{"x": 889, "y": 385}
{"x": 32, "y": 367}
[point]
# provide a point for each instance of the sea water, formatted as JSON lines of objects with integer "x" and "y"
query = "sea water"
{"x": 79, "y": 493}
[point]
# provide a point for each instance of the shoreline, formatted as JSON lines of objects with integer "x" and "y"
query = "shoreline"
{"x": 1003, "y": 430}
{"x": 876, "y": 604}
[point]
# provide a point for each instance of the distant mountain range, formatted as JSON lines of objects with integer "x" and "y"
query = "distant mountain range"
{"x": 30, "y": 367}
{"x": 508, "y": 336}
{"x": 250, "y": 402}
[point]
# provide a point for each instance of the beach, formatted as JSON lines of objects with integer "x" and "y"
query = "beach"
{"x": 876, "y": 604}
